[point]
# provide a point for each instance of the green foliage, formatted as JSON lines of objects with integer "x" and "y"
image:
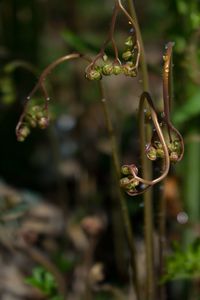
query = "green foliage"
{"x": 7, "y": 90}
{"x": 78, "y": 43}
{"x": 183, "y": 265}
{"x": 64, "y": 264}
{"x": 188, "y": 110}
{"x": 45, "y": 282}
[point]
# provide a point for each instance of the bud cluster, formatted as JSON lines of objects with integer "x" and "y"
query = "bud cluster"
{"x": 35, "y": 117}
{"x": 96, "y": 72}
{"x": 156, "y": 151}
{"x": 129, "y": 56}
{"x": 129, "y": 182}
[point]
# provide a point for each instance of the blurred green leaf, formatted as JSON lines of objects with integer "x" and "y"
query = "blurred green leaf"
{"x": 44, "y": 281}
{"x": 13, "y": 65}
{"x": 77, "y": 43}
{"x": 183, "y": 264}
{"x": 188, "y": 110}
{"x": 7, "y": 90}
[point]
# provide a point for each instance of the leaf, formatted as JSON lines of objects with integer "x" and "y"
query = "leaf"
{"x": 189, "y": 110}
{"x": 77, "y": 43}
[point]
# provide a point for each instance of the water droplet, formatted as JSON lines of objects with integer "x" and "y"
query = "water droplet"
{"x": 182, "y": 217}
{"x": 48, "y": 98}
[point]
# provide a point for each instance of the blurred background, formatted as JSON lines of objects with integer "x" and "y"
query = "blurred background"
{"x": 60, "y": 184}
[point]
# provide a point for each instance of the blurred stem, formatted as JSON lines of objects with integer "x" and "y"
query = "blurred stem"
{"x": 191, "y": 182}
{"x": 162, "y": 243}
{"x": 146, "y": 166}
{"x": 122, "y": 200}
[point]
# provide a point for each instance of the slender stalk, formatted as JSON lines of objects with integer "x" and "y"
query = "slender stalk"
{"x": 123, "y": 205}
{"x": 146, "y": 167}
{"x": 162, "y": 243}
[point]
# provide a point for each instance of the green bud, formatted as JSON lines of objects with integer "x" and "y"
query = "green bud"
{"x": 35, "y": 109}
{"x": 117, "y": 69}
{"x": 107, "y": 69}
{"x": 31, "y": 120}
{"x": 160, "y": 153}
{"x": 129, "y": 42}
{"x": 36, "y": 112}
{"x": 174, "y": 156}
{"x": 43, "y": 122}
{"x": 125, "y": 170}
{"x": 23, "y": 132}
{"x": 94, "y": 74}
{"x": 151, "y": 153}
{"x": 135, "y": 183}
{"x": 174, "y": 146}
{"x": 127, "y": 55}
{"x": 124, "y": 181}
{"x": 129, "y": 69}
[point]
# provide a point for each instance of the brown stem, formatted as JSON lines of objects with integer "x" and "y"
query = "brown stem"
{"x": 146, "y": 167}
{"x": 146, "y": 97}
{"x": 167, "y": 96}
{"x": 162, "y": 244}
{"x": 123, "y": 205}
{"x": 42, "y": 78}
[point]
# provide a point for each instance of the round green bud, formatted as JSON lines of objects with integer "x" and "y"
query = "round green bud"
{"x": 43, "y": 122}
{"x": 135, "y": 183}
{"x": 23, "y": 132}
{"x": 125, "y": 170}
{"x": 31, "y": 120}
{"x": 129, "y": 70}
{"x": 133, "y": 73}
{"x": 151, "y": 153}
{"x": 117, "y": 69}
{"x": 36, "y": 112}
{"x": 174, "y": 146}
{"x": 129, "y": 42}
{"x": 127, "y": 55}
{"x": 94, "y": 74}
{"x": 160, "y": 153}
{"x": 132, "y": 185}
{"x": 174, "y": 156}
{"x": 107, "y": 69}
{"x": 124, "y": 181}
{"x": 35, "y": 109}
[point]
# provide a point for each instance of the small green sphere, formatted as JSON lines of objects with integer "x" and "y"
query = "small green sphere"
{"x": 94, "y": 74}
{"x": 127, "y": 55}
{"x": 117, "y": 69}
{"x": 107, "y": 69}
